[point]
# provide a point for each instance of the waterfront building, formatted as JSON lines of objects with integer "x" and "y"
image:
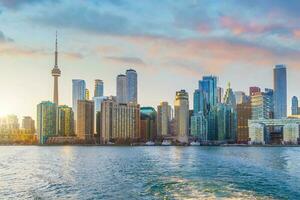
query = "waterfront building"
{"x": 46, "y": 120}
{"x": 99, "y": 88}
{"x": 199, "y": 126}
{"x": 208, "y": 84}
{"x": 97, "y": 103}
{"x": 55, "y": 73}
{"x": 87, "y": 94}
{"x": 294, "y": 108}
{"x": 28, "y": 124}
{"x": 78, "y": 93}
{"x": 220, "y": 94}
{"x": 85, "y": 120}
{"x": 243, "y": 115}
{"x": 132, "y": 92}
{"x": 280, "y": 92}
{"x": 122, "y": 89}
{"x": 65, "y": 121}
{"x": 262, "y": 105}
{"x": 9, "y": 123}
{"x": 164, "y": 116}
{"x": 253, "y": 90}
{"x": 119, "y": 122}
{"x": 181, "y": 107}
{"x": 200, "y": 104}
{"x": 148, "y": 124}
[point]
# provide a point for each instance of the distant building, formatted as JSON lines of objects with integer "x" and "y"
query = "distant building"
{"x": 97, "y": 102}
{"x": 181, "y": 106}
{"x": 240, "y": 97}
{"x": 148, "y": 128}
{"x": 78, "y": 93}
{"x": 253, "y": 90}
{"x": 200, "y": 101}
{"x": 119, "y": 122}
{"x": 85, "y": 120}
{"x": 87, "y": 94}
{"x": 295, "y": 105}
{"x": 262, "y": 105}
{"x": 280, "y": 92}
{"x": 208, "y": 84}
{"x": 9, "y": 123}
{"x": 243, "y": 115}
{"x": 65, "y": 121}
{"x": 199, "y": 126}
{"x": 132, "y": 92}
{"x": 122, "y": 89}
{"x": 99, "y": 88}
{"x": 220, "y": 94}
{"x": 46, "y": 121}
{"x": 28, "y": 124}
{"x": 164, "y": 116}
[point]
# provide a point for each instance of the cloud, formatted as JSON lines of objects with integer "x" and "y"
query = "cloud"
{"x": 14, "y": 4}
{"x": 137, "y": 62}
{"x": 3, "y": 38}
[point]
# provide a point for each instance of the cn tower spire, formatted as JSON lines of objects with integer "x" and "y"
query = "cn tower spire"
{"x": 55, "y": 65}
{"x": 55, "y": 73}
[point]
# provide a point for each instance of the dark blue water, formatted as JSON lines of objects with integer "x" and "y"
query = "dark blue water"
{"x": 71, "y": 172}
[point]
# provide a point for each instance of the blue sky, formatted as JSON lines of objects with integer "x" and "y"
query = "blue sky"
{"x": 171, "y": 44}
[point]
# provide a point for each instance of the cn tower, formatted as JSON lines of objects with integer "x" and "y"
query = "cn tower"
{"x": 55, "y": 73}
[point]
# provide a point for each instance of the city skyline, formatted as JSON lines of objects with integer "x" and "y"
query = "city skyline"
{"x": 104, "y": 53}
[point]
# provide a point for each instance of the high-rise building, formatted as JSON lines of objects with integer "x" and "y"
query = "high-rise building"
{"x": 280, "y": 92}
{"x": 262, "y": 106}
{"x": 148, "y": 124}
{"x": 78, "y": 92}
{"x": 253, "y": 90}
{"x": 87, "y": 94}
{"x": 85, "y": 120}
{"x": 28, "y": 124}
{"x": 65, "y": 121}
{"x": 181, "y": 106}
{"x": 97, "y": 102}
{"x": 119, "y": 122}
{"x": 240, "y": 97}
{"x": 9, "y": 122}
{"x": 99, "y": 88}
{"x": 220, "y": 94}
{"x": 122, "y": 89}
{"x": 294, "y": 105}
{"x": 229, "y": 97}
{"x": 46, "y": 121}
{"x": 200, "y": 102}
{"x": 132, "y": 92}
{"x": 199, "y": 126}
{"x": 208, "y": 84}
{"x": 55, "y": 73}
{"x": 243, "y": 115}
{"x": 164, "y": 116}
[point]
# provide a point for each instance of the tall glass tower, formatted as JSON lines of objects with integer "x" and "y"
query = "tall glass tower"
{"x": 78, "y": 92}
{"x": 121, "y": 88}
{"x": 131, "y": 76}
{"x": 98, "y": 91}
{"x": 294, "y": 105}
{"x": 280, "y": 92}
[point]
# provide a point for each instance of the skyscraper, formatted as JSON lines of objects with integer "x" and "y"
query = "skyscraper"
{"x": 262, "y": 106}
{"x": 99, "y": 88}
{"x": 209, "y": 86}
{"x": 294, "y": 105}
{"x": 46, "y": 121}
{"x": 243, "y": 115}
{"x": 78, "y": 92}
{"x": 148, "y": 127}
{"x": 28, "y": 124}
{"x": 164, "y": 116}
{"x": 122, "y": 89}
{"x": 253, "y": 90}
{"x": 85, "y": 120}
{"x": 181, "y": 106}
{"x": 97, "y": 102}
{"x": 199, "y": 102}
{"x": 65, "y": 121}
{"x": 199, "y": 126}
{"x": 55, "y": 73}
{"x": 132, "y": 92}
{"x": 87, "y": 94}
{"x": 280, "y": 92}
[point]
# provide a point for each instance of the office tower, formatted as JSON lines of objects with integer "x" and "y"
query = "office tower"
{"x": 78, "y": 92}
{"x": 87, "y": 94}
{"x": 199, "y": 126}
{"x": 99, "y": 88}
{"x": 97, "y": 103}
{"x": 220, "y": 94}
{"x": 55, "y": 73}
{"x": 9, "y": 122}
{"x": 253, "y": 90}
{"x": 46, "y": 121}
{"x": 240, "y": 97}
{"x": 208, "y": 84}
{"x": 294, "y": 105}
{"x": 85, "y": 120}
{"x": 199, "y": 102}
{"x": 132, "y": 92}
{"x": 28, "y": 124}
{"x": 121, "y": 88}
{"x": 148, "y": 126}
{"x": 280, "y": 92}
{"x": 65, "y": 121}
{"x": 164, "y": 117}
{"x": 181, "y": 106}
{"x": 119, "y": 122}
{"x": 243, "y": 115}
{"x": 229, "y": 97}
{"x": 262, "y": 106}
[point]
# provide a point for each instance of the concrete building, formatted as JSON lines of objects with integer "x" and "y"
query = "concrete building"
{"x": 253, "y": 90}
{"x": 85, "y": 120}
{"x": 164, "y": 116}
{"x": 181, "y": 107}
{"x": 46, "y": 121}
{"x": 280, "y": 92}
{"x": 87, "y": 94}
{"x": 65, "y": 121}
{"x": 243, "y": 115}
{"x": 122, "y": 89}
{"x": 97, "y": 102}
{"x": 28, "y": 124}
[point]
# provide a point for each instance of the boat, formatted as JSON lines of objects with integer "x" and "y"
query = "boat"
{"x": 166, "y": 143}
{"x": 150, "y": 143}
{"x": 195, "y": 143}
{"x": 110, "y": 143}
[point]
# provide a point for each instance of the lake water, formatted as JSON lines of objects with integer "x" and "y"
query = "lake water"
{"x": 79, "y": 172}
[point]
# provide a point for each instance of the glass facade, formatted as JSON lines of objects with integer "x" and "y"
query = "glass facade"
{"x": 280, "y": 92}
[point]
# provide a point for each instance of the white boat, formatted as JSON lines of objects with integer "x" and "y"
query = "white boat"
{"x": 195, "y": 143}
{"x": 110, "y": 143}
{"x": 150, "y": 143}
{"x": 166, "y": 143}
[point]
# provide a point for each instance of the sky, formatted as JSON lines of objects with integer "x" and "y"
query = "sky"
{"x": 171, "y": 44}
